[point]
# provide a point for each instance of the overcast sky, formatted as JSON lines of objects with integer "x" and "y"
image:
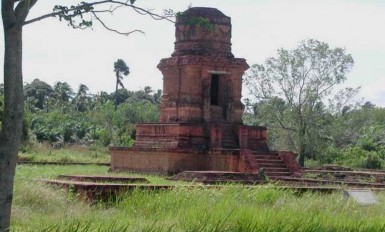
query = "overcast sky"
{"x": 54, "y": 52}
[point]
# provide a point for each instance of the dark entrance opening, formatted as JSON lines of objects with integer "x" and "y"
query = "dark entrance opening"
{"x": 214, "y": 89}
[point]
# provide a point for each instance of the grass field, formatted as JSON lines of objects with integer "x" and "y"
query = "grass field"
{"x": 38, "y": 207}
{"x": 41, "y": 152}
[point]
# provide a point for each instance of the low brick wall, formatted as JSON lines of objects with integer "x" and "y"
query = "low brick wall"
{"x": 168, "y": 162}
{"x": 290, "y": 160}
{"x": 169, "y": 136}
{"x": 253, "y": 138}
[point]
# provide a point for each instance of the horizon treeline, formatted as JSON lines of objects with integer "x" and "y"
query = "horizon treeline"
{"x": 58, "y": 115}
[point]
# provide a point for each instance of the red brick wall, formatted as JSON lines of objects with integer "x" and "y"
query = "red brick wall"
{"x": 290, "y": 160}
{"x": 253, "y": 138}
{"x": 172, "y": 161}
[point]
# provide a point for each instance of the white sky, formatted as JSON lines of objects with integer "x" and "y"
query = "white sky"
{"x": 54, "y": 52}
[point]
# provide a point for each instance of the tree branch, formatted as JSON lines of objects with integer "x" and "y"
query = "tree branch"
{"x": 53, "y": 14}
{"x": 113, "y": 30}
{"x": 139, "y": 10}
{"x": 22, "y": 10}
{"x": 283, "y": 126}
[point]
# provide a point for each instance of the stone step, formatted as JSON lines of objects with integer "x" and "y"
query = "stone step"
{"x": 309, "y": 181}
{"x": 275, "y": 169}
{"x": 267, "y": 157}
{"x": 263, "y": 165}
{"x": 269, "y": 161}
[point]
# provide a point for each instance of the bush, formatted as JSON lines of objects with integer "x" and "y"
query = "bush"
{"x": 351, "y": 157}
{"x": 373, "y": 161}
{"x": 105, "y": 137}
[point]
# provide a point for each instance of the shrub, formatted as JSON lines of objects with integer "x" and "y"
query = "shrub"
{"x": 373, "y": 161}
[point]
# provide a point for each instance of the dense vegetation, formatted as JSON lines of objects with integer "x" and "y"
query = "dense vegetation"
{"x": 354, "y": 137}
{"x": 59, "y": 115}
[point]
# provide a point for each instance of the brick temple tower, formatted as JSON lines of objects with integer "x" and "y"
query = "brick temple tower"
{"x": 201, "y": 111}
{"x": 202, "y": 79}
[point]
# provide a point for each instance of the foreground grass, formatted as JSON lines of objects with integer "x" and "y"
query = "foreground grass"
{"x": 41, "y": 152}
{"x": 38, "y": 207}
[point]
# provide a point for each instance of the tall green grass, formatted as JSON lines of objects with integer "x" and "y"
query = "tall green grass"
{"x": 38, "y": 207}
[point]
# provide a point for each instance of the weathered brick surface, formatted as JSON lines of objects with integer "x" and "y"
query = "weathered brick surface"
{"x": 202, "y": 51}
{"x": 168, "y": 161}
{"x": 247, "y": 162}
{"x": 253, "y": 138}
{"x": 290, "y": 160}
{"x": 201, "y": 110}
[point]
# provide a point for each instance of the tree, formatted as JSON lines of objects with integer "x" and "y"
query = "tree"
{"x": 82, "y": 99}
{"x": 102, "y": 98}
{"x": 14, "y": 16}
{"x": 39, "y": 91}
{"x": 121, "y": 96}
{"x": 120, "y": 68}
{"x": 62, "y": 95}
{"x": 305, "y": 79}
{"x": 62, "y": 91}
{"x": 158, "y": 96}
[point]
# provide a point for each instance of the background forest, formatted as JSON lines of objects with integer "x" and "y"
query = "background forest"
{"x": 59, "y": 115}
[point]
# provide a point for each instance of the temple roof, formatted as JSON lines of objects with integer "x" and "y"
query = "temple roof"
{"x": 204, "y": 12}
{"x": 212, "y": 14}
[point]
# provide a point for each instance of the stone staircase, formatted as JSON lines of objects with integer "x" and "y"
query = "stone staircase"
{"x": 272, "y": 164}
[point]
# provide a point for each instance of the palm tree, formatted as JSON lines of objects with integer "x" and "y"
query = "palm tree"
{"x": 120, "y": 68}
{"x": 63, "y": 93}
{"x": 81, "y": 99}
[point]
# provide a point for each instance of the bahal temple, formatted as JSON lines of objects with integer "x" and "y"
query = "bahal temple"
{"x": 200, "y": 126}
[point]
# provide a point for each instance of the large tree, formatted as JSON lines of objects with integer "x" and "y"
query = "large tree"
{"x": 14, "y": 16}
{"x": 38, "y": 92}
{"x": 297, "y": 86}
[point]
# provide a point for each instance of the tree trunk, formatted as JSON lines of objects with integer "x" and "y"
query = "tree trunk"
{"x": 301, "y": 156}
{"x": 10, "y": 135}
{"x": 301, "y": 147}
{"x": 116, "y": 91}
